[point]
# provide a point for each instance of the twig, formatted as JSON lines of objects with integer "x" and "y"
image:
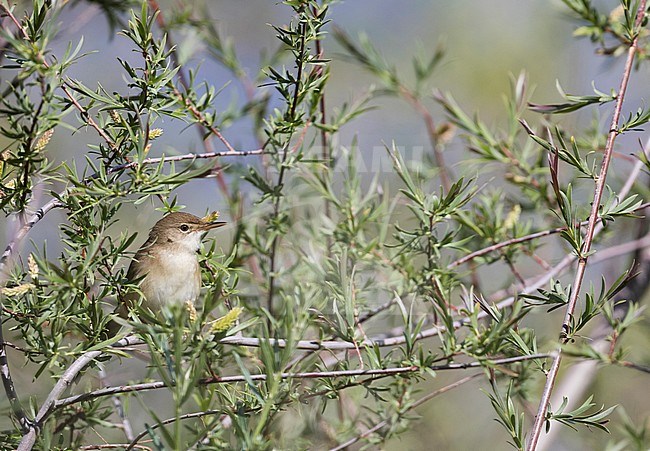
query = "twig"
{"x": 621, "y": 249}
{"x": 146, "y": 386}
{"x": 9, "y": 388}
{"x": 188, "y": 156}
{"x": 365, "y": 316}
{"x": 575, "y": 382}
{"x": 634, "y": 366}
{"x": 433, "y": 134}
{"x": 502, "y": 244}
{"x": 543, "y": 233}
{"x": 276, "y": 203}
{"x": 415, "y": 404}
{"x": 16, "y": 347}
{"x": 382, "y": 372}
{"x": 540, "y": 418}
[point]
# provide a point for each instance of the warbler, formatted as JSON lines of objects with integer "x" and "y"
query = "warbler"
{"x": 166, "y": 267}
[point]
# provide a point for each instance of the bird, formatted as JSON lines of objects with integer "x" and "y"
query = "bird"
{"x": 166, "y": 268}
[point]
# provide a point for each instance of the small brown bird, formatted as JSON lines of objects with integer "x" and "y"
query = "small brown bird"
{"x": 166, "y": 265}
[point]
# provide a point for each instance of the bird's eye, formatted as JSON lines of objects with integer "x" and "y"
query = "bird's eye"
{"x": 184, "y": 227}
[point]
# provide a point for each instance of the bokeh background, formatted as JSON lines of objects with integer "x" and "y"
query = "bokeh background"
{"x": 486, "y": 44}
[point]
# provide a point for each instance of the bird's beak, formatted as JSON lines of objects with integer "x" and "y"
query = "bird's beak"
{"x": 212, "y": 225}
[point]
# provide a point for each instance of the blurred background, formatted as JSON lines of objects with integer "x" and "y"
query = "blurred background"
{"x": 486, "y": 43}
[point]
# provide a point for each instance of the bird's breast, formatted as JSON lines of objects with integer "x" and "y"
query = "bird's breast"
{"x": 173, "y": 278}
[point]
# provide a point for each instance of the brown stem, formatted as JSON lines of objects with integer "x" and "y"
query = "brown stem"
{"x": 521, "y": 239}
{"x": 203, "y": 124}
{"x": 635, "y": 366}
{"x": 417, "y": 104}
{"x": 591, "y": 226}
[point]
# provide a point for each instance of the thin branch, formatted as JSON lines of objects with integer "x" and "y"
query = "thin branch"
{"x": 497, "y": 246}
{"x": 9, "y": 387}
{"x": 540, "y": 234}
{"x": 433, "y": 134}
{"x": 146, "y": 386}
{"x": 119, "y": 408}
{"x": 85, "y": 115}
{"x": 276, "y": 203}
{"x": 189, "y": 156}
{"x": 16, "y": 347}
{"x": 634, "y": 366}
{"x": 22, "y": 232}
{"x": 381, "y": 372}
{"x": 365, "y": 316}
{"x": 621, "y": 249}
{"x": 204, "y": 123}
{"x": 415, "y": 404}
{"x": 61, "y": 386}
{"x": 540, "y": 418}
